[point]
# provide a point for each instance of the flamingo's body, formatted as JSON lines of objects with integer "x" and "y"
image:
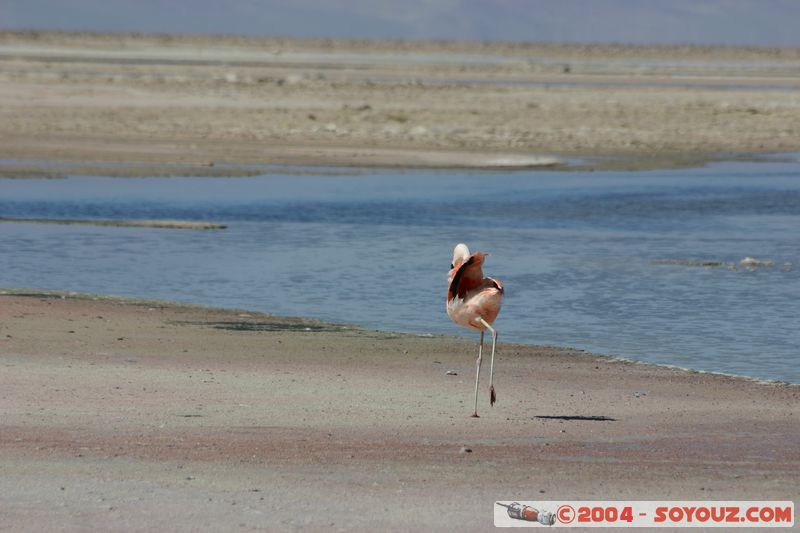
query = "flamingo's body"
{"x": 473, "y": 301}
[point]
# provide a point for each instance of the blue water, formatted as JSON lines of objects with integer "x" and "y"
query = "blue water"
{"x": 575, "y": 250}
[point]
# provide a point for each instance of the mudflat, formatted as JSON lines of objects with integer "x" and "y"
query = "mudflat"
{"x": 200, "y": 102}
{"x": 141, "y": 416}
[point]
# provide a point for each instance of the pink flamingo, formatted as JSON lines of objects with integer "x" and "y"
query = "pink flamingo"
{"x": 473, "y": 301}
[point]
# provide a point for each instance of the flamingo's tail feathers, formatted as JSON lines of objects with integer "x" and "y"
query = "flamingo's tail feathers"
{"x": 492, "y": 395}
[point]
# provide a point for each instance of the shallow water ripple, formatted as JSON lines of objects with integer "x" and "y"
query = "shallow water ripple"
{"x": 610, "y": 262}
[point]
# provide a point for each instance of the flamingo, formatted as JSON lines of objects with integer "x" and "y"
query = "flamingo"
{"x": 473, "y": 301}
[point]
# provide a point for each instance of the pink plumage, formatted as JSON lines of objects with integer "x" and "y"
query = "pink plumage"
{"x": 473, "y": 301}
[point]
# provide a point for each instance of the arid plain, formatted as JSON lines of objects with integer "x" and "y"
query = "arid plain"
{"x": 196, "y": 101}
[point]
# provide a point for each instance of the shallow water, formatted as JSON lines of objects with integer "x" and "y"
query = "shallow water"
{"x": 578, "y": 252}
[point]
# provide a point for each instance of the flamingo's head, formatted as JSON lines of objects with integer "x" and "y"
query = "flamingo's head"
{"x": 460, "y": 254}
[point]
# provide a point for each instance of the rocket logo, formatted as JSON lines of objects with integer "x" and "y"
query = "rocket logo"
{"x": 529, "y": 514}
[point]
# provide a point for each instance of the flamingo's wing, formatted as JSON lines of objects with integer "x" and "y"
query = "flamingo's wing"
{"x": 467, "y": 276}
{"x": 496, "y": 283}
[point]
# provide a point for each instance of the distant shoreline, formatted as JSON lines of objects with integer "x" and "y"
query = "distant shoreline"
{"x": 195, "y": 101}
{"x": 404, "y": 45}
{"x": 60, "y": 169}
{"x": 164, "y": 224}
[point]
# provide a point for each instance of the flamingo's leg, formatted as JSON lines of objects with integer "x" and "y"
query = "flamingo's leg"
{"x": 492, "y": 395}
{"x": 478, "y": 375}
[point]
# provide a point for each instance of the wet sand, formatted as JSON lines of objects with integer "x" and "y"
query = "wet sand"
{"x": 142, "y": 416}
{"x": 194, "y": 101}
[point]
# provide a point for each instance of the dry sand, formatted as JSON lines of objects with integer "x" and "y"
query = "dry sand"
{"x": 192, "y": 100}
{"x": 144, "y": 416}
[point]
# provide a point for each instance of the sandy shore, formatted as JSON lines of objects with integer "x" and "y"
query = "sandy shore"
{"x": 191, "y": 101}
{"x": 142, "y": 416}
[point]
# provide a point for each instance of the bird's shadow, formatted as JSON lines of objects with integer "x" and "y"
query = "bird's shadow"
{"x": 590, "y": 418}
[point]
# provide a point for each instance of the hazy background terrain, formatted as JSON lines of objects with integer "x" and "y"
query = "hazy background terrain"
{"x": 740, "y": 22}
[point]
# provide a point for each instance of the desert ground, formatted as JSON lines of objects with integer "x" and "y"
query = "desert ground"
{"x": 147, "y": 416}
{"x": 199, "y": 105}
